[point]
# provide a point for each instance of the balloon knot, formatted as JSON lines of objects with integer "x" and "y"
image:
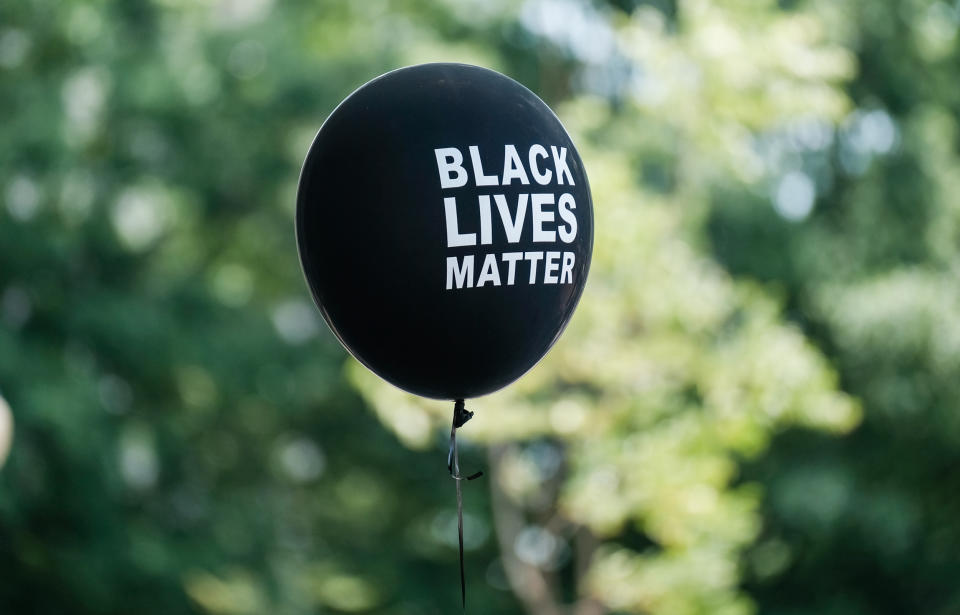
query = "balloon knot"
{"x": 460, "y": 414}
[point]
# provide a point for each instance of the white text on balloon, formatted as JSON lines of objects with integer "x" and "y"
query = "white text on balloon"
{"x": 454, "y": 175}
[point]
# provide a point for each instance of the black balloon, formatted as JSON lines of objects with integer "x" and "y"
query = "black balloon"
{"x": 445, "y": 228}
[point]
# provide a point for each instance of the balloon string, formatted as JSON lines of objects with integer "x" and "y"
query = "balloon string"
{"x": 460, "y": 416}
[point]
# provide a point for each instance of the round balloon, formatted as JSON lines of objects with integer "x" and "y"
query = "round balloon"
{"x": 445, "y": 228}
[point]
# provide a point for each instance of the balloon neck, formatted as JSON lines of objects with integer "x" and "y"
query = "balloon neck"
{"x": 460, "y": 414}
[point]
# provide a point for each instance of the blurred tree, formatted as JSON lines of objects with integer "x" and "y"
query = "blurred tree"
{"x": 185, "y": 440}
{"x": 863, "y": 240}
{"x": 769, "y": 177}
{"x": 615, "y": 461}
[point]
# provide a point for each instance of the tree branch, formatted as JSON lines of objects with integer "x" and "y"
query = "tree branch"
{"x": 534, "y": 587}
{"x": 528, "y": 583}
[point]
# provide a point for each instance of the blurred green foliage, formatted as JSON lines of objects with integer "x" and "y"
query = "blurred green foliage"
{"x": 755, "y": 408}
